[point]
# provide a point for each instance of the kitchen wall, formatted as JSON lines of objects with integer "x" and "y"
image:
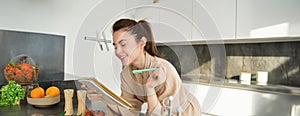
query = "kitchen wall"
{"x": 199, "y": 20}
{"x": 47, "y": 16}
{"x": 75, "y": 20}
{"x": 46, "y": 51}
{"x": 280, "y": 59}
{"x": 66, "y": 18}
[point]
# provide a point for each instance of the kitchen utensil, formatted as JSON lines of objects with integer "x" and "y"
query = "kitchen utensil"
{"x": 170, "y": 105}
{"x": 144, "y": 108}
{"x": 81, "y": 97}
{"x": 69, "y": 101}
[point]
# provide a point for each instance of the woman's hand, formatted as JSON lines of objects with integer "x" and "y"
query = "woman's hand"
{"x": 92, "y": 94}
{"x": 156, "y": 77}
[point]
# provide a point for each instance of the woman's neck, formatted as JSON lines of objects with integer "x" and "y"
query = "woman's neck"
{"x": 140, "y": 62}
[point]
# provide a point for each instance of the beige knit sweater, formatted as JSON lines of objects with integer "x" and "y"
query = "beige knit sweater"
{"x": 133, "y": 91}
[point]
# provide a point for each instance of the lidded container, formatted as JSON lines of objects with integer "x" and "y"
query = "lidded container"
{"x": 21, "y": 69}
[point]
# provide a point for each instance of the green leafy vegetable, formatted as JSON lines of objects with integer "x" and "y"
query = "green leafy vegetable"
{"x": 64, "y": 113}
{"x": 19, "y": 67}
{"x": 11, "y": 94}
{"x": 12, "y": 64}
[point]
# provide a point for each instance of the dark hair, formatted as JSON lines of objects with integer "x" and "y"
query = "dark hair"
{"x": 139, "y": 29}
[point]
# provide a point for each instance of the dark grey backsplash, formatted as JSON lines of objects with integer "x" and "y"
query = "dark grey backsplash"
{"x": 46, "y": 50}
{"x": 280, "y": 59}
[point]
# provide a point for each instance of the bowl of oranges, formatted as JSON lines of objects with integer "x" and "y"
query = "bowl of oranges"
{"x": 41, "y": 98}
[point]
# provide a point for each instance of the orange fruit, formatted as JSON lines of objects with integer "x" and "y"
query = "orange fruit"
{"x": 37, "y": 93}
{"x": 52, "y": 91}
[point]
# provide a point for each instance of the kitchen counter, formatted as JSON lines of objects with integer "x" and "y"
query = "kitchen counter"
{"x": 25, "y": 109}
{"x": 234, "y": 88}
{"x": 244, "y": 85}
{"x": 228, "y": 97}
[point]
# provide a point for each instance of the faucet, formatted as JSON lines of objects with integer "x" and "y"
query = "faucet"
{"x": 99, "y": 40}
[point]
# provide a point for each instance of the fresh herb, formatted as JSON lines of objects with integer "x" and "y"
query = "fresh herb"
{"x": 11, "y": 94}
{"x": 19, "y": 67}
{"x": 64, "y": 113}
{"x": 12, "y": 64}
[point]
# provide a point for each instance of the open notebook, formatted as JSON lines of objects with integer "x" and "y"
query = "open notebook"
{"x": 108, "y": 96}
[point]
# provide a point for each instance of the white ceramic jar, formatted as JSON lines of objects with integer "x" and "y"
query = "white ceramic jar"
{"x": 262, "y": 77}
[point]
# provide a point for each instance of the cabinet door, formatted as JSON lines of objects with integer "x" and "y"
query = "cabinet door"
{"x": 268, "y": 18}
{"x": 214, "y": 18}
{"x": 169, "y": 19}
{"x": 186, "y": 20}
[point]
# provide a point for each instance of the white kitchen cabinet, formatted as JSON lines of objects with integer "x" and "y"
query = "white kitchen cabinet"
{"x": 268, "y": 18}
{"x": 215, "y": 19}
{"x": 190, "y": 20}
{"x": 169, "y": 19}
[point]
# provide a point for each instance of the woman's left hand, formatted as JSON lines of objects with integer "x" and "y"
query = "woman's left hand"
{"x": 156, "y": 77}
{"x": 92, "y": 94}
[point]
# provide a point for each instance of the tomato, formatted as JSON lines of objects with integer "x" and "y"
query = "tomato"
{"x": 18, "y": 71}
{"x": 94, "y": 113}
{"x": 88, "y": 113}
{"x": 26, "y": 67}
{"x": 99, "y": 114}
{"x": 23, "y": 69}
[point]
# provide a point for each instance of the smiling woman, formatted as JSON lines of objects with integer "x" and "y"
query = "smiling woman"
{"x": 135, "y": 47}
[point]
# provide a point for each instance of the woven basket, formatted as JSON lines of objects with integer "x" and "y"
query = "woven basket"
{"x": 22, "y": 78}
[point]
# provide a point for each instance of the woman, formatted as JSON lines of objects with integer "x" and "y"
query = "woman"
{"x": 135, "y": 47}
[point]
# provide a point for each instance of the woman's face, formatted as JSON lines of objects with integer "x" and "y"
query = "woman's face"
{"x": 127, "y": 48}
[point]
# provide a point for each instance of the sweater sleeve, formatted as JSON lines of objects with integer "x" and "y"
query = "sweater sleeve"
{"x": 172, "y": 83}
{"x": 136, "y": 103}
{"x": 170, "y": 87}
{"x": 116, "y": 110}
{"x": 128, "y": 96}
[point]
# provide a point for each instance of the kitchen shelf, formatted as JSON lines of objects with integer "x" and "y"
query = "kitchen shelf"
{"x": 231, "y": 41}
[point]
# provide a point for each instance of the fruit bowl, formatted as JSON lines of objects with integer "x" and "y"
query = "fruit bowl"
{"x": 39, "y": 98}
{"x": 43, "y": 102}
{"x": 21, "y": 69}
